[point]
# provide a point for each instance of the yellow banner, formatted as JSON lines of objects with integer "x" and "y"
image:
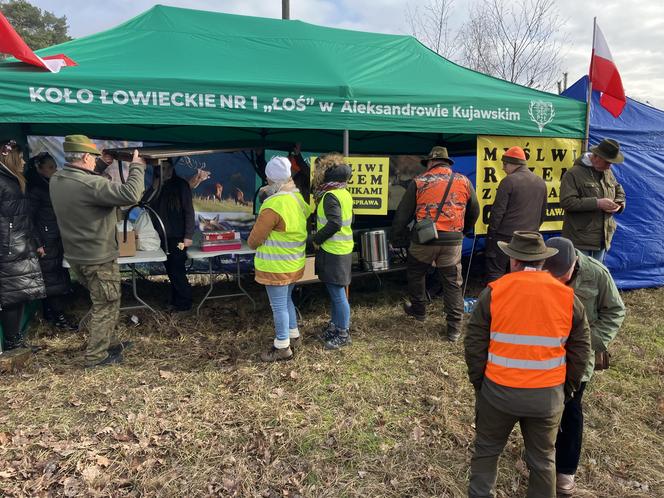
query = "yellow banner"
{"x": 548, "y": 158}
{"x": 369, "y": 184}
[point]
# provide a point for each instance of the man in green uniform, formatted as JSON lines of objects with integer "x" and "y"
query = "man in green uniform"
{"x": 85, "y": 205}
{"x": 593, "y": 285}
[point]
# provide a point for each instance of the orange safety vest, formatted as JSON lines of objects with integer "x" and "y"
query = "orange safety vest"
{"x": 431, "y": 186}
{"x": 531, "y": 317}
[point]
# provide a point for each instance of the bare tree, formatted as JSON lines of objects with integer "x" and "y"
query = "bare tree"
{"x": 515, "y": 41}
{"x": 430, "y": 24}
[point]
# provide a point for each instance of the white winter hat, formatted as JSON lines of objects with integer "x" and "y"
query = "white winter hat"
{"x": 278, "y": 169}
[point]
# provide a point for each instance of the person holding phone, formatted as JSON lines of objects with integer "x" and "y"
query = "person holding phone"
{"x": 591, "y": 196}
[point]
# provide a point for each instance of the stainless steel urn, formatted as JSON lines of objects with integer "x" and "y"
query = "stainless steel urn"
{"x": 374, "y": 251}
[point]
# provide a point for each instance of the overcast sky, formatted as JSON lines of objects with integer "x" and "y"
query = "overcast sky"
{"x": 634, "y": 30}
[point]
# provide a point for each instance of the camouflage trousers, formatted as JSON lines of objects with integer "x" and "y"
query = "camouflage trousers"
{"x": 103, "y": 282}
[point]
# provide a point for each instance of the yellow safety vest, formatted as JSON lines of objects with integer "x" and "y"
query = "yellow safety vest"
{"x": 342, "y": 241}
{"x": 284, "y": 252}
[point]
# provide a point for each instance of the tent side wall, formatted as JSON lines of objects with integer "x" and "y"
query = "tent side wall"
{"x": 636, "y": 258}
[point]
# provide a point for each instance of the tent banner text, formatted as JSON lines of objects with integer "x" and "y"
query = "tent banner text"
{"x": 368, "y": 185}
{"x": 548, "y": 158}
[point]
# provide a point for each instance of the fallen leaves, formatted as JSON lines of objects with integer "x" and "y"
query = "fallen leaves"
{"x": 166, "y": 374}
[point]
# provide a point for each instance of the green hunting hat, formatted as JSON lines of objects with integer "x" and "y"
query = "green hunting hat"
{"x": 80, "y": 143}
{"x": 609, "y": 150}
{"x": 527, "y": 246}
{"x": 438, "y": 153}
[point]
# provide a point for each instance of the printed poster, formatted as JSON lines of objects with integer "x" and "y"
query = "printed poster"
{"x": 548, "y": 158}
{"x": 368, "y": 185}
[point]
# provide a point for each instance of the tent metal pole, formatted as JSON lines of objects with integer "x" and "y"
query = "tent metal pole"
{"x": 285, "y": 9}
{"x": 470, "y": 262}
{"x": 346, "y": 143}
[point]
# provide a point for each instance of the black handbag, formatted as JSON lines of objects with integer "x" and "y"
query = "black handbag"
{"x": 424, "y": 231}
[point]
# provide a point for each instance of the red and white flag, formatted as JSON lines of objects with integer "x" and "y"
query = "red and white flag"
{"x": 11, "y": 43}
{"x": 605, "y": 77}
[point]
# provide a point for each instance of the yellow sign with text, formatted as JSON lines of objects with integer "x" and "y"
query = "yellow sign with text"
{"x": 548, "y": 158}
{"x": 369, "y": 184}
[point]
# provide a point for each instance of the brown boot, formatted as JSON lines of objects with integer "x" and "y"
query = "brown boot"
{"x": 277, "y": 354}
{"x": 565, "y": 485}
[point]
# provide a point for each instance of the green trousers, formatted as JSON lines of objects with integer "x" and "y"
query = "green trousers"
{"x": 103, "y": 282}
{"x": 493, "y": 428}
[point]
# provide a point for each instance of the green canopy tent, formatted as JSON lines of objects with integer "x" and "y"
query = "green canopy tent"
{"x": 187, "y": 76}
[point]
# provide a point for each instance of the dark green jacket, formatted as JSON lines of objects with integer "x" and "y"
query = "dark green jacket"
{"x": 587, "y": 226}
{"x": 85, "y": 205}
{"x": 605, "y": 311}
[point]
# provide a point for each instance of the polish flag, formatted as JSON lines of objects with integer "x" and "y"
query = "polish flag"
{"x": 11, "y": 43}
{"x": 605, "y": 77}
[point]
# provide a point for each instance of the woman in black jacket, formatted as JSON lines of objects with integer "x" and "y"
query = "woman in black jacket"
{"x": 20, "y": 276}
{"x": 334, "y": 242}
{"x": 47, "y": 236}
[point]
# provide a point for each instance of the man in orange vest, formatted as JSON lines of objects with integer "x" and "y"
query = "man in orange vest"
{"x": 456, "y": 216}
{"x": 527, "y": 347}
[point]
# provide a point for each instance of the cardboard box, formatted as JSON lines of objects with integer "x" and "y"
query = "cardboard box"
{"x": 309, "y": 270}
{"x": 128, "y": 248}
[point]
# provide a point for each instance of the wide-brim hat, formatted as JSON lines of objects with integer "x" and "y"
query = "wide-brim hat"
{"x": 609, "y": 150}
{"x": 80, "y": 143}
{"x": 527, "y": 246}
{"x": 439, "y": 153}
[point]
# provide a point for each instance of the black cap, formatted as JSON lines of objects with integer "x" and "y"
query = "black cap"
{"x": 560, "y": 263}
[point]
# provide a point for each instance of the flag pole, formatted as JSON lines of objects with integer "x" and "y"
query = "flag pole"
{"x": 589, "y": 96}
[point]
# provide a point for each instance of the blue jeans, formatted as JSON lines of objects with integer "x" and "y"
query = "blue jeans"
{"x": 340, "y": 307}
{"x": 283, "y": 309}
{"x": 598, "y": 255}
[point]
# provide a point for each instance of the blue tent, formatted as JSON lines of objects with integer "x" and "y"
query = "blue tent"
{"x": 636, "y": 258}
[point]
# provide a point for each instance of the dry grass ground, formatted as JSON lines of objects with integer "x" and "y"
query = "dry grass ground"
{"x": 192, "y": 413}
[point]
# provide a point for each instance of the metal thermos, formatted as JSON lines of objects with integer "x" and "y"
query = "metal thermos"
{"x": 374, "y": 250}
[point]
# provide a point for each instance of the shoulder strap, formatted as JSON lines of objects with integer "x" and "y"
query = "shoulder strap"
{"x": 442, "y": 201}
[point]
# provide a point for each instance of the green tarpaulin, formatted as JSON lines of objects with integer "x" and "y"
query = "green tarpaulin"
{"x": 182, "y": 75}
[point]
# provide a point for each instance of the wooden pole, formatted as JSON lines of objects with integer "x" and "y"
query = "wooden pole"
{"x": 589, "y": 96}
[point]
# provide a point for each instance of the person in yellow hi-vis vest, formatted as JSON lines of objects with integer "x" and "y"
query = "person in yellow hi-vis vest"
{"x": 280, "y": 237}
{"x": 334, "y": 242}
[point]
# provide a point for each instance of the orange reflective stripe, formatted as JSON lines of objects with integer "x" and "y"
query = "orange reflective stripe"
{"x": 528, "y": 379}
{"x": 531, "y": 317}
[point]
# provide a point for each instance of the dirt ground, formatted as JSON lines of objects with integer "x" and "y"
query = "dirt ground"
{"x": 192, "y": 412}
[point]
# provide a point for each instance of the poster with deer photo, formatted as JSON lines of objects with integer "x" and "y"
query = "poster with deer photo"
{"x": 223, "y": 187}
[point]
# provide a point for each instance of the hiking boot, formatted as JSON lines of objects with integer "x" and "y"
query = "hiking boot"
{"x": 111, "y": 359}
{"x": 453, "y": 334}
{"x": 61, "y": 322}
{"x": 119, "y": 347}
{"x": 327, "y": 333}
{"x": 409, "y": 309}
{"x": 565, "y": 484}
{"x": 339, "y": 339}
{"x": 277, "y": 354}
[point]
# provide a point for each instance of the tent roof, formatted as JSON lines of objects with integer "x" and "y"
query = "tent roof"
{"x": 195, "y": 57}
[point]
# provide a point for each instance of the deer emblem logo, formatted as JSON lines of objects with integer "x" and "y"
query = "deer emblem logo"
{"x": 542, "y": 113}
